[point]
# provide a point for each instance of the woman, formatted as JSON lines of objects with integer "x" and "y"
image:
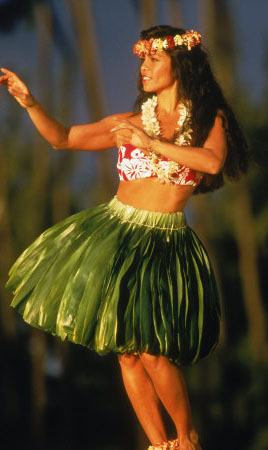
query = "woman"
{"x": 130, "y": 276}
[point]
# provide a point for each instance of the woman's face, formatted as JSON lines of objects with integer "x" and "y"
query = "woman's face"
{"x": 156, "y": 72}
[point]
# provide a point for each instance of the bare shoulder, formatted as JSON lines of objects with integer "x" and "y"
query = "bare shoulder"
{"x": 221, "y": 119}
{"x": 217, "y": 137}
{"x": 219, "y": 128}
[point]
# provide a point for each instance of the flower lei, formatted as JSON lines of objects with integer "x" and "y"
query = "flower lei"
{"x": 188, "y": 40}
{"x": 166, "y": 445}
{"x": 166, "y": 170}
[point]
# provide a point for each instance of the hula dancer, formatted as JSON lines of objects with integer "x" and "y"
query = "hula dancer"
{"x": 130, "y": 276}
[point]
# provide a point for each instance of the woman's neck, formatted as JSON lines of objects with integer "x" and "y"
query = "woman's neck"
{"x": 167, "y": 99}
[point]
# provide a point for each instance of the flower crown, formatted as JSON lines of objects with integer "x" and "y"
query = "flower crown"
{"x": 189, "y": 39}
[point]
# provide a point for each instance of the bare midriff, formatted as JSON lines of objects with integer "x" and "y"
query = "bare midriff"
{"x": 151, "y": 194}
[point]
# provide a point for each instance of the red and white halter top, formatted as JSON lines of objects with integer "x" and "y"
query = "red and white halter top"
{"x": 134, "y": 164}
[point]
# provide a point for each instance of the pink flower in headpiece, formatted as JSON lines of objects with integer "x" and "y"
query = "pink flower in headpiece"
{"x": 142, "y": 48}
{"x": 171, "y": 43}
{"x": 189, "y": 39}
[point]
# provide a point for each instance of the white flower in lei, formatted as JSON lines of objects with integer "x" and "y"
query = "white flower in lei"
{"x": 149, "y": 120}
{"x": 166, "y": 170}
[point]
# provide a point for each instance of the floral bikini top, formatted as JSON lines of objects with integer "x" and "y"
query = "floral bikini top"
{"x": 133, "y": 164}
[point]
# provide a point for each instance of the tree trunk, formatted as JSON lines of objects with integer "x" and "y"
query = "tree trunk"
{"x": 89, "y": 53}
{"x": 38, "y": 349}
{"x": 214, "y": 18}
{"x": 203, "y": 227}
{"x": 248, "y": 265}
{"x": 40, "y": 180}
{"x": 148, "y": 13}
{"x": 175, "y": 14}
{"x": 7, "y": 316}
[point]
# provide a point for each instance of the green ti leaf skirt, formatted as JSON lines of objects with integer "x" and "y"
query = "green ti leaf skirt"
{"x": 116, "y": 278}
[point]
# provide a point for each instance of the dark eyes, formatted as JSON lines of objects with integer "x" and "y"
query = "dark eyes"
{"x": 152, "y": 58}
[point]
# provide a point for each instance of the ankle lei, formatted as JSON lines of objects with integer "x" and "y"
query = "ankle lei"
{"x": 167, "y": 169}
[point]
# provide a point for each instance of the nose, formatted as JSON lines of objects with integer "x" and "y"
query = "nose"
{"x": 144, "y": 65}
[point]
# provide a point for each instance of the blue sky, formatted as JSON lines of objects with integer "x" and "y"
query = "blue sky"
{"x": 117, "y": 26}
{"x": 250, "y": 18}
{"x": 117, "y": 29}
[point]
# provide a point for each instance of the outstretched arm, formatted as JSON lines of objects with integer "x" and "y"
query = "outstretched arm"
{"x": 95, "y": 136}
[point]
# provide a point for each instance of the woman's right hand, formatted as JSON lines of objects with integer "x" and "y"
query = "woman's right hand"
{"x": 17, "y": 88}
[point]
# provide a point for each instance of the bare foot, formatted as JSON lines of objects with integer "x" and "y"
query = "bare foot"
{"x": 183, "y": 443}
{"x": 189, "y": 442}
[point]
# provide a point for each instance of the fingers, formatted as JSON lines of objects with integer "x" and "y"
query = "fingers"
{"x": 12, "y": 83}
{"x": 13, "y": 91}
{"x": 6, "y": 71}
{"x": 3, "y": 81}
{"x": 121, "y": 141}
{"x": 6, "y": 79}
{"x": 120, "y": 120}
{"x": 123, "y": 125}
{"x": 9, "y": 75}
{"x": 122, "y": 138}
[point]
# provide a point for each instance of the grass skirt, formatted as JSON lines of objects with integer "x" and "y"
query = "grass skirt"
{"x": 116, "y": 278}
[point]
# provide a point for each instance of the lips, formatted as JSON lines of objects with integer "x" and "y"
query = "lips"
{"x": 145, "y": 78}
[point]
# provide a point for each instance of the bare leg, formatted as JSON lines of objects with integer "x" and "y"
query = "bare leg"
{"x": 143, "y": 397}
{"x": 171, "y": 389}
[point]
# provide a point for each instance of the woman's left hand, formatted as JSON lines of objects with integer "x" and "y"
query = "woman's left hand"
{"x": 127, "y": 133}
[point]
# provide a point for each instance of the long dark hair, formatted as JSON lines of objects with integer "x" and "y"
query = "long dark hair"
{"x": 197, "y": 83}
